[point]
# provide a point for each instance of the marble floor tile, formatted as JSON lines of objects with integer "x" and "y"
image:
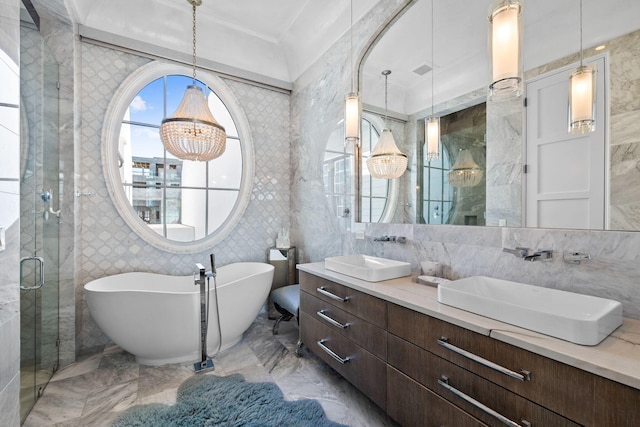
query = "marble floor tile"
{"x": 89, "y": 364}
{"x": 96, "y": 389}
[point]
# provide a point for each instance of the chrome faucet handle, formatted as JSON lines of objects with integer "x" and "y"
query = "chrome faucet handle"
{"x": 542, "y": 255}
{"x": 520, "y": 252}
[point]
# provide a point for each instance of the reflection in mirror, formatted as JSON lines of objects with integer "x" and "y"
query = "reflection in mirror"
{"x": 378, "y": 197}
{"x": 462, "y": 133}
{"x": 551, "y": 44}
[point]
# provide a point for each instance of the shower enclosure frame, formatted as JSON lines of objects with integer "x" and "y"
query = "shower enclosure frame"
{"x": 40, "y": 190}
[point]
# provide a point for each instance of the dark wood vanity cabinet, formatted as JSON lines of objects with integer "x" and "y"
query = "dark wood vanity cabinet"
{"x": 524, "y": 387}
{"x": 427, "y": 372}
{"x": 347, "y": 329}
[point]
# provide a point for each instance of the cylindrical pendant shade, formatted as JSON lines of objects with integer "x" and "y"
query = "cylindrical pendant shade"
{"x": 582, "y": 95}
{"x": 192, "y": 133}
{"x": 386, "y": 160}
{"x": 432, "y": 135}
{"x": 505, "y": 36}
{"x": 352, "y": 119}
{"x": 465, "y": 171}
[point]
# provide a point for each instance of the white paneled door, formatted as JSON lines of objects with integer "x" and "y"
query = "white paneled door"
{"x": 566, "y": 174}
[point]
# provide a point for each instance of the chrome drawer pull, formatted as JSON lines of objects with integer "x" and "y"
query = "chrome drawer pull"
{"x": 331, "y": 353}
{"x": 522, "y": 375}
{"x": 332, "y": 321}
{"x": 324, "y": 292}
{"x": 444, "y": 382}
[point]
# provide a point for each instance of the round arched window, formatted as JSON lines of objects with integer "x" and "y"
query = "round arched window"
{"x": 176, "y": 205}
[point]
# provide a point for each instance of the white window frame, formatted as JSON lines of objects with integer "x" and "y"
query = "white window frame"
{"x": 111, "y": 133}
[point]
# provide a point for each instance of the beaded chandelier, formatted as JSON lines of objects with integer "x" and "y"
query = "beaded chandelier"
{"x": 192, "y": 133}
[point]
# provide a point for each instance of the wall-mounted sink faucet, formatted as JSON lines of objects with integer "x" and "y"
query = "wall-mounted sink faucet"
{"x": 523, "y": 253}
{"x": 519, "y": 252}
{"x": 393, "y": 239}
{"x": 543, "y": 255}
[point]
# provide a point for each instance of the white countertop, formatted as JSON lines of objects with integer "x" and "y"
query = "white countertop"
{"x": 617, "y": 357}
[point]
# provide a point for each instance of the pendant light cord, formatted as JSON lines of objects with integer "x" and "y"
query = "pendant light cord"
{"x": 433, "y": 71}
{"x": 193, "y": 3}
{"x": 385, "y": 73}
{"x": 581, "y": 51}
{"x": 353, "y": 79}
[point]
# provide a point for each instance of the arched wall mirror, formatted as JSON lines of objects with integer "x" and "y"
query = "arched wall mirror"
{"x": 534, "y": 173}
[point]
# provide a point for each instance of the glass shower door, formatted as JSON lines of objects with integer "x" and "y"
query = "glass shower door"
{"x": 39, "y": 216}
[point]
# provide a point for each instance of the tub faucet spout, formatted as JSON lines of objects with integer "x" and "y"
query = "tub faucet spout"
{"x": 200, "y": 280}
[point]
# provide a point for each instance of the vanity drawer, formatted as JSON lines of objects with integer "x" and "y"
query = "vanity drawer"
{"x": 458, "y": 385}
{"x": 363, "y": 369}
{"x": 367, "y": 307}
{"x": 616, "y": 404}
{"x": 365, "y": 334}
{"x": 412, "y": 404}
{"x": 549, "y": 383}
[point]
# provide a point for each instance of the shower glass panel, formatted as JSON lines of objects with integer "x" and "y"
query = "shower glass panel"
{"x": 39, "y": 210}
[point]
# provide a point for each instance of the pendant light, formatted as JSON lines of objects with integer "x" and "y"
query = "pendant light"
{"x": 465, "y": 171}
{"x": 386, "y": 160}
{"x": 352, "y": 108}
{"x": 582, "y": 95}
{"x": 192, "y": 133}
{"x": 505, "y": 38}
{"x": 432, "y": 124}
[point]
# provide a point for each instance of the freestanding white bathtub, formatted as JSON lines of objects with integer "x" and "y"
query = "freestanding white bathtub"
{"x": 157, "y": 318}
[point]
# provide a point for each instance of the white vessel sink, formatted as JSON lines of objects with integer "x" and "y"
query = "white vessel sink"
{"x": 368, "y": 268}
{"x": 581, "y": 319}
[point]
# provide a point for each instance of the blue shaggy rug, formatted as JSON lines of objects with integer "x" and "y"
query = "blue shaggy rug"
{"x": 209, "y": 400}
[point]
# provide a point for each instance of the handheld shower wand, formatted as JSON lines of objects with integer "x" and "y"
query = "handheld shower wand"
{"x": 214, "y": 274}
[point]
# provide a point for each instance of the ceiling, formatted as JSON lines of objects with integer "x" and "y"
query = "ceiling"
{"x": 278, "y": 39}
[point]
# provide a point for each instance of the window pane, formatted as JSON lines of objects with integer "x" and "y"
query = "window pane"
{"x": 435, "y": 184}
{"x": 226, "y": 170}
{"x": 220, "y": 205}
{"x": 144, "y": 141}
{"x": 220, "y": 113}
{"x": 446, "y": 210}
{"x": 173, "y": 206}
{"x": 377, "y": 208}
{"x": 194, "y": 174}
{"x": 366, "y": 209}
{"x": 147, "y": 202}
{"x": 379, "y": 187}
{"x": 148, "y": 105}
{"x": 176, "y": 85}
{"x": 193, "y": 210}
{"x": 366, "y": 138}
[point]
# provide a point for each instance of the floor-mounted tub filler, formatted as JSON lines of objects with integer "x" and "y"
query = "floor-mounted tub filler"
{"x": 157, "y": 317}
